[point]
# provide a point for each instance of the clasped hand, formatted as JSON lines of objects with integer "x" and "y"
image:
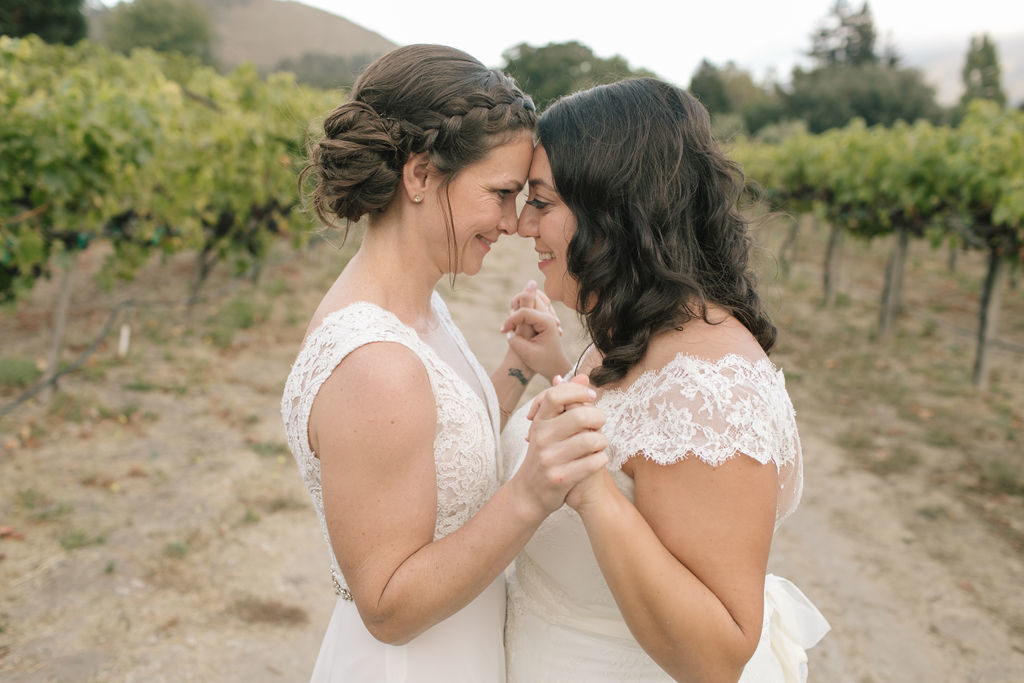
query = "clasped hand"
{"x": 535, "y": 333}
{"x": 566, "y": 445}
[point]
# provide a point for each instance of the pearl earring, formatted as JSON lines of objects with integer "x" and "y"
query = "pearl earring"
{"x": 417, "y": 199}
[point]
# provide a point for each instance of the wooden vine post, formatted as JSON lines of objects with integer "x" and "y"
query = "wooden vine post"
{"x": 892, "y": 291}
{"x": 989, "y": 159}
{"x": 991, "y": 302}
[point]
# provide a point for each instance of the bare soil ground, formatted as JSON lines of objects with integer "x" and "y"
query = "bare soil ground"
{"x": 153, "y": 526}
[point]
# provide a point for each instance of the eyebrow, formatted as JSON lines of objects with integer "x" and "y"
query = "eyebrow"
{"x": 538, "y": 181}
{"x": 513, "y": 186}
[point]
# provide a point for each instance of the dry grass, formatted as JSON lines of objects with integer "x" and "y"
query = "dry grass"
{"x": 159, "y": 479}
{"x": 905, "y": 406}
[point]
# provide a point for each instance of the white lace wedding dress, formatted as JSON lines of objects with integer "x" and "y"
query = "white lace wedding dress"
{"x": 466, "y": 647}
{"x": 563, "y": 623}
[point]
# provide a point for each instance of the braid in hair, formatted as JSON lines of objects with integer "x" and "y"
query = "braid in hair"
{"x": 415, "y": 99}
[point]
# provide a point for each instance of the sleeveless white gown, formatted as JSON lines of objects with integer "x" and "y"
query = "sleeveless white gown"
{"x": 563, "y": 624}
{"x": 466, "y": 647}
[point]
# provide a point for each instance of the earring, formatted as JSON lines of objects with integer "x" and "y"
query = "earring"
{"x": 417, "y": 199}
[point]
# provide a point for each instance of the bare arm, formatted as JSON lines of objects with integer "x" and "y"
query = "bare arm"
{"x": 686, "y": 563}
{"x": 373, "y": 425}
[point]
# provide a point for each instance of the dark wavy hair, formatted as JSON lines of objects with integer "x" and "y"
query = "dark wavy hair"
{"x": 416, "y": 98}
{"x": 658, "y": 232}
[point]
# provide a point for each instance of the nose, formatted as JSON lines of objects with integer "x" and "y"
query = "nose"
{"x": 528, "y": 222}
{"x": 508, "y": 223}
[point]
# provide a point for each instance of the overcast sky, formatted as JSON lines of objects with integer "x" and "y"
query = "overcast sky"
{"x": 670, "y": 37}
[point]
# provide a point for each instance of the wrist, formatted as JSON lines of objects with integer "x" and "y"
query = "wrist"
{"x": 527, "y": 507}
{"x": 597, "y": 498}
{"x": 515, "y": 367}
{"x": 562, "y": 369}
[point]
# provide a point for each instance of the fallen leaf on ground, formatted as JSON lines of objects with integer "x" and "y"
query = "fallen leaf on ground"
{"x": 921, "y": 412}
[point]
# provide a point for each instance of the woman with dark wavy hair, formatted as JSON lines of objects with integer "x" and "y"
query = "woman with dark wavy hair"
{"x": 391, "y": 419}
{"x": 656, "y": 567}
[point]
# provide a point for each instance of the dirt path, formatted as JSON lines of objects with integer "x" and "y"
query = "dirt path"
{"x": 157, "y": 529}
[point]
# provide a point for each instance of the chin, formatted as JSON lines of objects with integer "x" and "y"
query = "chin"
{"x": 557, "y": 291}
{"x": 554, "y": 292}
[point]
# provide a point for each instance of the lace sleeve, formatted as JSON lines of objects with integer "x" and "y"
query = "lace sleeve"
{"x": 710, "y": 410}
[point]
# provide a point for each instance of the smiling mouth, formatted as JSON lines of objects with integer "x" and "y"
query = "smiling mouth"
{"x": 546, "y": 255}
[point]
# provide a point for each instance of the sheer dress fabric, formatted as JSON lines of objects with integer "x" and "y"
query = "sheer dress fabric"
{"x": 466, "y": 647}
{"x": 563, "y": 624}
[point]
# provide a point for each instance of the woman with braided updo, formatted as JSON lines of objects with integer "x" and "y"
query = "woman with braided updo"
{"x": 390, "y": 418}
{"x": 655, "y": 570}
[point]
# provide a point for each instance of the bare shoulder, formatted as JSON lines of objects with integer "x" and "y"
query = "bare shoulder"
{"x": 724, "y": 335}
{"x": 380, "y": 383}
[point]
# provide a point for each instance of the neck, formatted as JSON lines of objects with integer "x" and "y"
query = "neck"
{"x": 395, "y": 269}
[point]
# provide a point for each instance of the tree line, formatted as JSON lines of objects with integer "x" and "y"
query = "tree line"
{"x": 852, "y": 75}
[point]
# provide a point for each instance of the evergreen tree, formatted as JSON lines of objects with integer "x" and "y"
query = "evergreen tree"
{"x": 708, "y": 86}
{"x": 851, "y": 80}
{"x": 845, "y": 37}
{"x": 55, "y": 21}
{"x": 981, "y": 72}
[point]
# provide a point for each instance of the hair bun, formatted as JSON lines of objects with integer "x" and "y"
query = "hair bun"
{"x": 357, "y": 163}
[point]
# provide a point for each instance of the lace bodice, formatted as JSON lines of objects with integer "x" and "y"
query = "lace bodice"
{"x": 465, "y": 443}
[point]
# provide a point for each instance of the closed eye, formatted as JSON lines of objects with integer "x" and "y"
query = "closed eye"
{"x": 537, "y": 204}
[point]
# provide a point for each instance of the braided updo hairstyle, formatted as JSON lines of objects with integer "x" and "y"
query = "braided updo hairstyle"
{"x": 417, "y": 98}
{"x": 658, "y": 234}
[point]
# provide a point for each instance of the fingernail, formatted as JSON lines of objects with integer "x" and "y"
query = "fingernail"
{"x": 592, "y": 393}
{"x": 557, "y": 379}
{"x": 532, "y": 284}
{"x": 508, "y": 335}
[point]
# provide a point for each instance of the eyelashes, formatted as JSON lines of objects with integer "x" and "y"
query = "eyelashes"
{"x": 537, "y": 204}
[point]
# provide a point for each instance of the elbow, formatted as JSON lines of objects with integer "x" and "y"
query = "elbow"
{"x": 728, "y": 668}
{"x": 389, "y": 632}
{"x": 388, "y": 627}
{"x": 732, "y": 668}
{"x": 735, "y": 661}
{"x": 390, "y": 636}
{"x": 724, "y": 665}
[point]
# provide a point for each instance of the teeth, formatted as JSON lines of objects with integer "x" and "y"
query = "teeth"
{"x": 545, "y": 255}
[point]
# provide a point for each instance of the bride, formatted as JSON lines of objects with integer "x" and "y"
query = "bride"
{"x": 656, "y": 567}
{"x": 390, "y": 418}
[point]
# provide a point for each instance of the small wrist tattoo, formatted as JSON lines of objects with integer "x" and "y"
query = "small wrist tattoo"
{"x": 518, "y": 374}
